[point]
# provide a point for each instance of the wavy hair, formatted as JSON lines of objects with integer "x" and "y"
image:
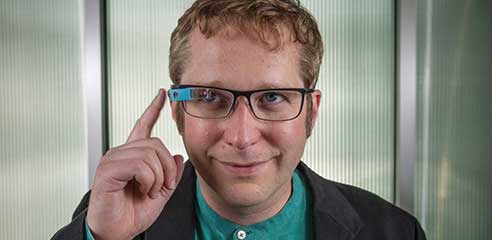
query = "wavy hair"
{"x": 266, "y": 19}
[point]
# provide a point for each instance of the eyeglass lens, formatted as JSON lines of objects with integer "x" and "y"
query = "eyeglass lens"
{"x": 275, "y": 105}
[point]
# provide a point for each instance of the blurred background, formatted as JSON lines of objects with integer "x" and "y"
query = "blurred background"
{"x": 405, "y": 112}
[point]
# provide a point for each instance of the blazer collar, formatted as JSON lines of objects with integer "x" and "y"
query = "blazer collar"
{"x": 333, "y": 215}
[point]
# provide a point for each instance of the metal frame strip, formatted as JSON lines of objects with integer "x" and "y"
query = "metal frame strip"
{"x": 406, "y": 103}
{"x": 94, "y": 82}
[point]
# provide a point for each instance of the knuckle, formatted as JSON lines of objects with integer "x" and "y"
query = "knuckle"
{"x": 139, "y": 122}
{"x": 172, "y": 164}
{"x": 110, "y": 151}
{"x": 157, "y": 142}
{"x": 159, "y": 178}
{"x": 149, "y": 153}
{"x": 100, "y": 169}
{"x": 140, "y": 166}
{"x": 142, "y": 124}
{"x": 105, "y": 158}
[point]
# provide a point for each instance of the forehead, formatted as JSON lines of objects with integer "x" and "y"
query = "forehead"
{"x": 232, "y": 59}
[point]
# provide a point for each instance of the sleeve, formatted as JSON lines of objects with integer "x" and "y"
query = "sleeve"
{"x": 75, "y": 230}
{"x": 419, "y": 232}
{"x": 78, "y": 228}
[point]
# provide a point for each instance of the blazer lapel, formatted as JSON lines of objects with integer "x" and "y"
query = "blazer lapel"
{"x": 178, "y": 219}
{"x": 333, "y": 216}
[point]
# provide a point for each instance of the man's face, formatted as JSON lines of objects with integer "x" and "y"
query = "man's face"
{"x": 242, "y": 160}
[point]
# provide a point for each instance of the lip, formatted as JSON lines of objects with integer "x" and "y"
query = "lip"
{"x": 244, "y": 168}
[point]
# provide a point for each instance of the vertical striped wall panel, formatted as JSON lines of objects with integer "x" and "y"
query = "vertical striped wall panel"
{"x": 353, "y": 139}
{"x": 139, "y": 37}
{"x": 43, "y": 159}
{"x": 453, "y": 193}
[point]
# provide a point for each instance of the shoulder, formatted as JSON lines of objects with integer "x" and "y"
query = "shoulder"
{"x": 377, "y": 214}
{"x": 356, "y": 208}
{"x": 381, "y": 219}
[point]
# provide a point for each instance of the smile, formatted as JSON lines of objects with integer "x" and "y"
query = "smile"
{"x": 244, "y": 168}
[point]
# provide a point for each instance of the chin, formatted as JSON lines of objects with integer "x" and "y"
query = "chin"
{"x": 243, "y": 194}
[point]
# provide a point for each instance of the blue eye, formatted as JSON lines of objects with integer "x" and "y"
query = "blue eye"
{"x": 210, "y": 96}
{"x": 272, "y": 97}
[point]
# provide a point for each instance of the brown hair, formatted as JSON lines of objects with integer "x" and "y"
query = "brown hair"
{"x": 263, "y": 18}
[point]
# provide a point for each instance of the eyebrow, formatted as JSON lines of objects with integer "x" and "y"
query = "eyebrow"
{"x": 221, "y": 84}
{"x": 214, "y": 83}
{"x": 268, "y": 85}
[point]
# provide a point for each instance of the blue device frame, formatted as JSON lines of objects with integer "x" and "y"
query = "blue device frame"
{"x": 179, "y": 94}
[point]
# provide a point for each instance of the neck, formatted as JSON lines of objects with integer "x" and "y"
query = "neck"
{"x": 250, "y": 214}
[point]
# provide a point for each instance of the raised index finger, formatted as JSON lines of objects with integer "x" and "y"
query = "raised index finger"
{"x": 144, "y": 125}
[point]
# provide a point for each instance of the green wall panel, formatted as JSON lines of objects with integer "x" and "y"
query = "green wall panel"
{"x": 354, "y": 137}
{"x": 139, "y": 36}
{"x": 453, "y": 194}
{"x": 43, "y": 159}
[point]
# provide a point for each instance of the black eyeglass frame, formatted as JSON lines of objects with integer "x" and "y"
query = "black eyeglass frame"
{"x": 247, "y": 95}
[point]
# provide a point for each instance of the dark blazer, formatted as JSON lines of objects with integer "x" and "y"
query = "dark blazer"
{"x": 339, "y": 212}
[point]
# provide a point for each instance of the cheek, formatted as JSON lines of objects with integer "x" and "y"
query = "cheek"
{"x": 290, "y": 138}
{"x": 199, "y": 134}
{"x": 289, "y": 132}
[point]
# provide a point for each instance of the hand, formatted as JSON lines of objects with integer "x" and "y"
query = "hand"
{"x": 134, "y": 181}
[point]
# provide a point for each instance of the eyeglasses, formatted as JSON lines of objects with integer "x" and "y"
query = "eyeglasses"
{"x": 280, "y": 104}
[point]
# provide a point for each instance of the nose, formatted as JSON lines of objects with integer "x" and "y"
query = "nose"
{"x": 241, "y": 127}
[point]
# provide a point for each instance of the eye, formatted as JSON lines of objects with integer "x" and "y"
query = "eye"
{"x": 272, "y": 97}
{"x": 210, "y": 96}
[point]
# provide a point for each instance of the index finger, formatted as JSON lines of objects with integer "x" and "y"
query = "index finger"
{"x": 145, "y": 124}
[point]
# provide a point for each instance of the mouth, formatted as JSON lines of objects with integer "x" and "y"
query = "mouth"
{"x": 244, "y": 168}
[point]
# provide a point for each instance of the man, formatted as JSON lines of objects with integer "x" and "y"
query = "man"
{"x": 244, "y": 102}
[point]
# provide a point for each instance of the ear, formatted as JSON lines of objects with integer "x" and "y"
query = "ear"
{"x": 316, "y": 101}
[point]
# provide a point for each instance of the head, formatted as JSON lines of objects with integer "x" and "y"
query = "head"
{"x": 246, "y": 45}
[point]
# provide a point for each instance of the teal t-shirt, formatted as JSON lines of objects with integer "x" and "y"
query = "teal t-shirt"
{"x": 292, "y": 222}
